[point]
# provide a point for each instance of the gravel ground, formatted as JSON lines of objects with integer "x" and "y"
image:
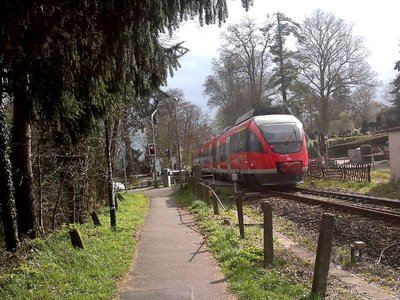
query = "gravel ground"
{"x": 348, "y": 228}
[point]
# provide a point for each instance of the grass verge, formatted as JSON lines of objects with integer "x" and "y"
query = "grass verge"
{"x": 241, "y": 259}
{"x": 56, "y": 270}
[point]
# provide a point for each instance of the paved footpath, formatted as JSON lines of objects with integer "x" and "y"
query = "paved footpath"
{"x": 172, "y": 259}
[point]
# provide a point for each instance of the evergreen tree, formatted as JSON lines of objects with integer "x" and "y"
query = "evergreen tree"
{"x": 396, "y": 94}
{"x": 68, "y": 63}
{"x": 285, "y": 71}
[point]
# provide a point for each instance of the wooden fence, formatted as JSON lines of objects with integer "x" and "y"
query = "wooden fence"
{"x": 335, "y": 171}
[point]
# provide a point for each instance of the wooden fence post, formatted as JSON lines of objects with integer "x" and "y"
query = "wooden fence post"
{"x": 95, "y": 219}
{"x": 190, "y": 182}
{"x": 195, "y": 182}
{"x": 215, "y": 201}
{"x": 239, "y": 207}
{"x": 268, "y": 233}
{"x": 369, "y": 173}
{"x": 198, "y": 188}
{"x": 76, "y": 239}
{"x": 205, "y": 192}
{"x": 323, "y": 257}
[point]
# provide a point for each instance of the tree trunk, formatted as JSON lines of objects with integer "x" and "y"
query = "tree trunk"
{"x": 40, "y": 188}
{"x": 114, "y": 143}
{"x": 324, "y": 114}
{"x": 281, "y": 67}
{"x": 71, "y": 196}
{"x": 7, "y": 202}
{"x": 128, "y": 154}
{"x": 111, "y": 198}
{"x": 21, "y": 158}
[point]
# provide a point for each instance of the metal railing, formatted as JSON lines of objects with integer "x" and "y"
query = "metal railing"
{"x": 216, "y": 196}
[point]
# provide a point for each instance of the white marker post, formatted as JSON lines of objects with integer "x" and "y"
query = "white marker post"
{"x": 234, "y": 179}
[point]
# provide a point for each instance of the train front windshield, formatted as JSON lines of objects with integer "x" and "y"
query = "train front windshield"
{"x": 282, "y": 138}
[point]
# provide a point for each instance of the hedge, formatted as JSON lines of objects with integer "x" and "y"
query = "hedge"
{"x": 341, "y": 149}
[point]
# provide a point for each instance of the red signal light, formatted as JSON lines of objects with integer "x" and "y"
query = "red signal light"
{"x": 152, "y": 149}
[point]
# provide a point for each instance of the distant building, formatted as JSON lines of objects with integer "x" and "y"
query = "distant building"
{"x": 394, "y": 152}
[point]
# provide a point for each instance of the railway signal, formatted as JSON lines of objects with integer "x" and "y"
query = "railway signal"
{"x": 152, "y": 149}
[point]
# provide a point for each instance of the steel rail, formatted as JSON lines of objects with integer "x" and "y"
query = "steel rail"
{"x": 379, "y": 214}
{"x": 394, "y": 203}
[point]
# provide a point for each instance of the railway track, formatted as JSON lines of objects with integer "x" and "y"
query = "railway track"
{"x": 337, "y": 200}
{"x": 372, "y": 212}
{"x": 394, "y": 203}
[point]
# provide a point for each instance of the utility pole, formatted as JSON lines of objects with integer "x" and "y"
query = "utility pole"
{"x": 170, "y": 146}
{"x": 155, "y": 149}
{"x": 177, "y": 142}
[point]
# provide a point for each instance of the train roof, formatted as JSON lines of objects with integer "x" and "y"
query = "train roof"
{"x": 269, "y": 119}
{"x": 259, "y": 120}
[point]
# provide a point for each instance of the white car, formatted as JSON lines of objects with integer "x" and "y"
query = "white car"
{"x": 118, "y": 186}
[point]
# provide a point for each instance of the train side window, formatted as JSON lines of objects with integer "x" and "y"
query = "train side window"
{"x": 232, "y": 143}
{"x": 223, "y": 152}
{"x": 254, "y": 143}
{"x": 214, "y": 154}
{"x": 239, "y": 142}
{"x": 244, "y": 137}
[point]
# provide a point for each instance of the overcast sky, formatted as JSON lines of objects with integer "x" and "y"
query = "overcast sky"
{"x": 377, "y": 21}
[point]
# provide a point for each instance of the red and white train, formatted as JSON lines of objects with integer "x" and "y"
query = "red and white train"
{"x": 267, "y": 149}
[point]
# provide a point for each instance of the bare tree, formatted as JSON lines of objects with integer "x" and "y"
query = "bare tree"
{"x": 193, "y": 127}
{"x": 227, "y": 90}
{"x": 331, "y": 58}
{"x": 304, "y": 101}
{"x": 363, "y": 104}
{"x": 241, "y": 76}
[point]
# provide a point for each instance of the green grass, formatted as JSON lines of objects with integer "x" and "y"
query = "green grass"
{"x": 56, "y": 270}
{"x": 381, "y": 185}
{"x": 241, "y": 259}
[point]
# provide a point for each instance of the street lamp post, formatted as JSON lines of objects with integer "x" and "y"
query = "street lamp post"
{"x": 155, "y": 150}
{"x": 177, "y": 143}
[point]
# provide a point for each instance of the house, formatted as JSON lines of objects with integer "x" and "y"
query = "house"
{"x": 394, "y": 150}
